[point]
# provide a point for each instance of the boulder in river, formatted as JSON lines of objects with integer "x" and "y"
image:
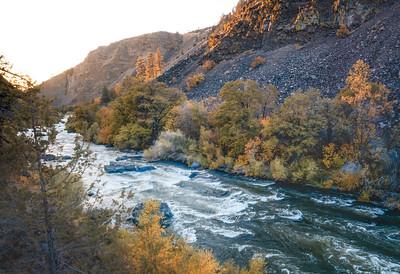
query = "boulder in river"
{"x": 165, "y": 212}
{"x": 195, "y": 165}
{"x": 49, "y": 157}
{"x": 193, "y": 175}
{"x": 129, "y": 157}
{"x": 122, "y": 158}
{"x": 121, "y": 167}
{"x": 66, "y": 158}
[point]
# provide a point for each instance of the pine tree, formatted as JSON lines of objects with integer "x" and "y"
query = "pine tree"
{"x": 158, "y": 63}
{"x": 141, "y": 69}
{"x": 105, "y": 96}
{"x": 150, "y": 67}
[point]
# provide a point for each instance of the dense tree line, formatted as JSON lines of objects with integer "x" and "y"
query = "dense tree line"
{"x": 349, "y": 142}
{"x": 48, "y": 225}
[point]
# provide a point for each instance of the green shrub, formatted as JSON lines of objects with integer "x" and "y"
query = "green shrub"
{"x": 132, "y": 136}
{"x": 278, "y": 170}
{"x": 169, "y": 146}
{"x": 306, "y": 170}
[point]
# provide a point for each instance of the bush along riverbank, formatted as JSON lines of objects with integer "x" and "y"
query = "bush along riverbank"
{"x": 350, "y": 142}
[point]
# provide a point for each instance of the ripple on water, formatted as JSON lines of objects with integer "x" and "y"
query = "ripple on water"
{"x": 369, "y": 211}
{"x": 394, "y": 237}
{"x": 274, "y": 197}
{"x": 228, "y": 233}
{"x": 294, "y": 215}
{"x": 330, "y": 200}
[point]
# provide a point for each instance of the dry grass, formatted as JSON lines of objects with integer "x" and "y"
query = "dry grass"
{"x": 194, "y": 80}
{"x": 258, "y": 61}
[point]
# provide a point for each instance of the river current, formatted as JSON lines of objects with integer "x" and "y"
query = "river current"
{"x": 297, "y": 229}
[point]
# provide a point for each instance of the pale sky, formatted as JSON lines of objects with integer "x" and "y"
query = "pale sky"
{"x": 45, "y": 37}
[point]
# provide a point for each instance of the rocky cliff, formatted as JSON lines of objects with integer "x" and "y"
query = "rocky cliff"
{"x": 302, "y": 44}
{"x": 299, "y": 50}
{"x": 108, "y": 65}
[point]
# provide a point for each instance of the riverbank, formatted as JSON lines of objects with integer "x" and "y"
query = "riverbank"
{"x": 296, "y": 228}
{"x": 304, "y": 187}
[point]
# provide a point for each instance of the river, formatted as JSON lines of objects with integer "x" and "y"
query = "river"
{"x": 297, "y": 229}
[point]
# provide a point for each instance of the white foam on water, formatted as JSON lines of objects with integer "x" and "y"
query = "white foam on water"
{"x": 274, "y": 197}
{"x": 219, "y": 215}
{"x": 330, "y": 200}
{"x": 264, "y": 184}
{"x": 394, "y": 236}
{"x": 227, "y": 232}
{"x": 264, "y": 217}
{"x": 295, "y": 215}
{"x": 240, "y": 248}
{"x": 355, "y": 259}
{"x": 370, "y": 211}
{"x": 187, "y": 233}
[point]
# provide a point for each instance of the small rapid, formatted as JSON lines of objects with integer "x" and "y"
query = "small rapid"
{"x": 297, "y": 229}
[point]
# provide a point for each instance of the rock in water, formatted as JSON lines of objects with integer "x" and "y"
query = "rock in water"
{"x": 122, "y": 158}
{"x": 165, "y": 212}
{"x": 195, "y": 165}
{"x": 49, "y": 157}
{"x": 115, "y": 167}
{"x": 121, "y": 167}
{"x": 128, "y": 157}
{"x": 145, "y": 168}
{"x": 193, "y": 175}
{"x": 66, "y": 158}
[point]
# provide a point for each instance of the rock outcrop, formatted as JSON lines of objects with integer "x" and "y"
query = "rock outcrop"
{"x": 108, "y": 65}
{"x": 305, "y": 43}
{"x": 301, "y": 48}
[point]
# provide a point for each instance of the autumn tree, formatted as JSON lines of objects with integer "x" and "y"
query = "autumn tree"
{"x": 158, "y": 63}
{"x": 106, "y": 96}
{"x": 370, "y": 104}
{"x": 189, "y": 117}
{"x": 237, "y": 118}
{"x": 150, "y": 67}
{"x": 141, "y": 68}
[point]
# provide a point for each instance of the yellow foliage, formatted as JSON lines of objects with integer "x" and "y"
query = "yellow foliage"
{"x": 256, "y": 267}
{"x": 364, "y": 197}
{"x": 348, "y": 181}
{"x": 208, "y": 65}
{"x": 153, "y": 251}
{"x": 331, "y": 158}
{"x": 358, "y": 87}
{"x": 278, "y": 170}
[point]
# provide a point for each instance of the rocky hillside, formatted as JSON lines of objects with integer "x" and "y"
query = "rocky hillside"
{"x": 296, "y": 45}
{"x": 108, "y": 65}
{"x": 291, "y": 44}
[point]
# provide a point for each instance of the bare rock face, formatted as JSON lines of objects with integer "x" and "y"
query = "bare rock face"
{"x": 268, "y": 24}
{"x": 297, "y": 38}
{"x": 300, "y": 46}
{"x": 108, "y": 65}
